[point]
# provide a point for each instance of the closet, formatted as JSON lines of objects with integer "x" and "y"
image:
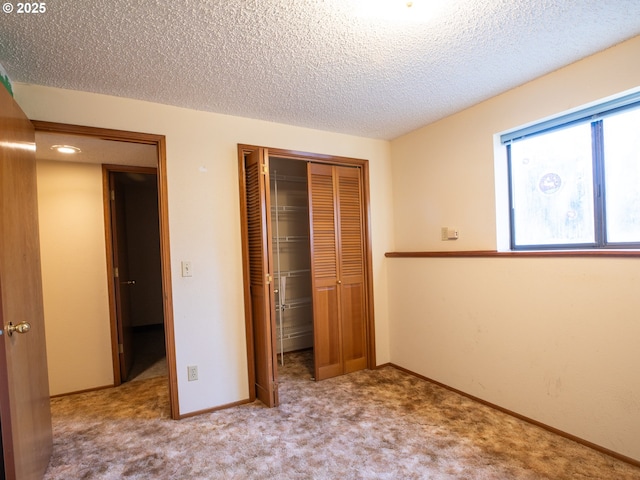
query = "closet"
{"x": 307, "y": 263}
{"x": 291, "y": 255}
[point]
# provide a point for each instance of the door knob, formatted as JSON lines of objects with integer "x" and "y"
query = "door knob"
{"x": 128, "y": 282}
{"x": 22, "y": 327}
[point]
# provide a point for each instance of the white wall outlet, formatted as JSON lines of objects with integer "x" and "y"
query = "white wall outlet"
{"x": 192, "y": 373}
{"x": 449, "y": 233}
{"x": 186, "y": 269}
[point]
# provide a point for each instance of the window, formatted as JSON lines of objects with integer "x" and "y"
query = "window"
{"x": 574, "y": 181}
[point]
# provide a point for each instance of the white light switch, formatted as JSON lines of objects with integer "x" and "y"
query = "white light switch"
{"x": 186, "y": 269}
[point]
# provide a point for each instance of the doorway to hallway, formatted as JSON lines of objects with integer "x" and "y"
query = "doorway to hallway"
{"x": 132, "y": 202}
{"x": 128, "y": 152}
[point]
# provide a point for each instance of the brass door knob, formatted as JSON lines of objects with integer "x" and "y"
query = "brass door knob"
{"x": 22, "y": 327}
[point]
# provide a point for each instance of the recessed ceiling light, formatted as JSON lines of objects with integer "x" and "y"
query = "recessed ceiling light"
{"x": 403, "y": 11}
{"x": 68, "y": 149}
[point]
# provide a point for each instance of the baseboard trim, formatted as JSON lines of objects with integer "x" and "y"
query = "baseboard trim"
{"x": 86, "y": 390}
{"x": 586, "y": 443}
{"x": 214, "y": 409}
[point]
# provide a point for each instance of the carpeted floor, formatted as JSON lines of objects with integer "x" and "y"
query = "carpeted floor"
{"x": 149, "y": 355}
{"x": 381, "y": 424}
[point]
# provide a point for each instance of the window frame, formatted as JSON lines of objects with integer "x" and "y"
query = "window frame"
{"x": 594, "y": 115}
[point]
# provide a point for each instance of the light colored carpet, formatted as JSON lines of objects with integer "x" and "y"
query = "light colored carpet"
{"x": 381, "y": 424}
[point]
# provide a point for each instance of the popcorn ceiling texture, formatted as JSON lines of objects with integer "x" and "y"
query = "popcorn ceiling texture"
{"x": 313, "y": 63}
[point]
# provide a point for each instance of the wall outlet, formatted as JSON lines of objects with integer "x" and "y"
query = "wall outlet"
{"x": 192, "y": 373}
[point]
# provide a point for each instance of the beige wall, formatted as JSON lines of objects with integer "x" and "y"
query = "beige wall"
{"x": 552, "y": 339}
{"x": 204, "y": 222}
{"x": 74, "y": 276}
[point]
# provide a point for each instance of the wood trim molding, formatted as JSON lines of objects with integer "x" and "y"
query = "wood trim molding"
{"x": 86, "y": 390}
{"x": 544, "y": 426}
{"x": 214, "y": 409}
{"x": 244, "y": 234}
{"x": 519, "y": 254}
{"x": 312, "y": 157}
{"x": 371, "y": 330}
{"x": 167, "y": 289}
{"x": 106, "y": 206}
{"x": 96, "y": 132}
{"x": 160, "y": 142}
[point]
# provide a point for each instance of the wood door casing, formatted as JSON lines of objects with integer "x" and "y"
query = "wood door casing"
{"x": 257, "y": 204}
{"x": 120, "y": 281}
{"x": 165, "y": 249}
{"x": 24, "y": 384}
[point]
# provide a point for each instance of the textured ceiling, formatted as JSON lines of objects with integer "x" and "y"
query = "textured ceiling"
{"x": 326, "y": 64}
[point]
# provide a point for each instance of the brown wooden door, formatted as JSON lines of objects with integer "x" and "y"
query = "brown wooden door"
{"x": 24, "y": 386}
{"x": 258, "y": 207}
{"x": 350, "y": 234}
{"x": 122, "y": 281}
{"x": 327, "y": 345}
{"x": 337, "y": 269}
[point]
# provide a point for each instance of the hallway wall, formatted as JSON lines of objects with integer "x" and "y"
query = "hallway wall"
{"x": 74, "y": 276}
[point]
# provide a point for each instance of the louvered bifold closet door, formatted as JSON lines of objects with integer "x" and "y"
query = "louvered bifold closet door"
{"x": 261, "y": 287}
{"x": 324, "y": 272}
{"x": 351, "y": 268}
{"x": 337, "y": 267}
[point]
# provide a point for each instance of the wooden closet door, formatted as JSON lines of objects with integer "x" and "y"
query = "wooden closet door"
{"x": 260, "y": 276}
{"x": 351, "y": 268}
{"x": 327, "y": 345}
{"x": 337, "y": 268}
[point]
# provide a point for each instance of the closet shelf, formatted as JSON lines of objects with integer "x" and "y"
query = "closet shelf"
{"x": 289, "y": 209}
{"x": 292, "y": 273}
{"x": 297, "y": 303}
{"x": 288, "y": 178}
{"x": 292, "y": 238}
{"x": 287, "y": 335}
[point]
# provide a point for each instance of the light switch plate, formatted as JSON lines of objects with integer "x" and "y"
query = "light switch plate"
{"x": 186, "y": 269}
